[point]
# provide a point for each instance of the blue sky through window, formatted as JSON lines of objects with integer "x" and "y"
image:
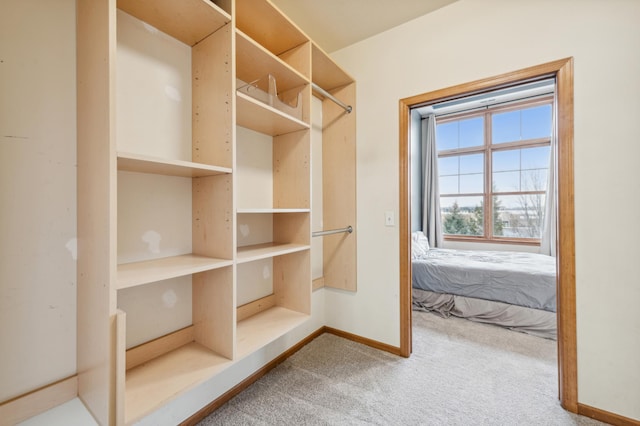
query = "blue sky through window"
{"x": 530, "y": 123}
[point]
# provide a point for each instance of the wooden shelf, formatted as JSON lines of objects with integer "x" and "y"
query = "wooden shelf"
{"x": 267, "y": 25}
{"x": 153, "y": 384}
{"x": 265, "y": 327}
{"x": 140, "y": 273}
{"x": 326, "y": 73}
{"x": 268, "y": 210}
{"x": 254, "y": 61}
{"x": 263, "y": 118}
{"x": 266, "y": 250}
{"x": 189, "y": 21}
{"x": 159, "y": 166}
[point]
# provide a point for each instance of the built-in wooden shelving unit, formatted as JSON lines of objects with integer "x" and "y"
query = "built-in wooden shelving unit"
{"x": 171, "y": 162}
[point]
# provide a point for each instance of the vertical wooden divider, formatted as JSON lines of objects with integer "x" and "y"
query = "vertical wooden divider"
{"x": 339, "y": 190}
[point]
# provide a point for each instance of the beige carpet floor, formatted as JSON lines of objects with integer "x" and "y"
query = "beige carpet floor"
{"x": 460, "y": 373}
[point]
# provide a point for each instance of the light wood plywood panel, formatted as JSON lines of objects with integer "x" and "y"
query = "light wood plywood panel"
{"x": 38, "y": 401}
{"x": 266, "y": 250}
{"x": 266, "y": 119}
{"x": 213, "y": 310}
{"x": 212, "y": 99}
{"x": 146, "y": 164}
{"x": 339, "y": 191}
{"x": 121, "y": 364}
{"x": 258, "y": 330}
{"x": 292, "y": 170}
{"x": 157, "y": 382}
{"x": 299, "y": 58}
{"x": 267, "y": 210}
{"x": 292, "y": 281}
{"x": 213, "y": 219}
{"x": 254, "y": 62}
{"x": 267, "y": 25}
{"x": 149, "y": 271}
{"x": 292, "y": 228}
{"x": 252, "y": 308}
{"x": 96, "y": 153}
{"x": 157, "y": 347}
{"x": 188, "y": 20}
{"x": 326, "y": 73}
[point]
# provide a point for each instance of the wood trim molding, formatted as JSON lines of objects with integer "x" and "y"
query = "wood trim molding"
{"x": 606, "y": 416}
{"x": 406, "y": 337}
{"x": 363, "y": 340}
{"x": 38, "y": 401}
{"x": 566, "y": 262}
{"x": 567, "y": 345}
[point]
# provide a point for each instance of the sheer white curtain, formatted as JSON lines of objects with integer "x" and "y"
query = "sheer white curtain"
{"x": 548, "y": 238}
{"x": 431, "y": 222}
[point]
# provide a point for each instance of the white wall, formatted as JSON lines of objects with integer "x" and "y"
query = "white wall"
{"x": 470, "y": 40}
{"x": 37, "y": 194}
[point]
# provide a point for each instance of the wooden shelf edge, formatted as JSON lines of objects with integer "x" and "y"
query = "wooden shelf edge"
{"x": 131, "y": 162}
{"x": 275, "y": 122}
{"x": 269, "y": 210}
{"x": 149, "y": 271}
{"x": 252, "y": 253}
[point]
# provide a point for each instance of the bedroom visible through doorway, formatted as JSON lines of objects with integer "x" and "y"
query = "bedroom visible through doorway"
{"x": 485, "y": 221}
{"x": 483, "y": 210}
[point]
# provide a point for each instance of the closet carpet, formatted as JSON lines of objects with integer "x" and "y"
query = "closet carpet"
{"x": 460, "y": 373}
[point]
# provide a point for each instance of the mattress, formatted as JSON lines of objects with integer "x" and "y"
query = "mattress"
{"x": 525, "y": 320}
{"x": 522, "y": 279}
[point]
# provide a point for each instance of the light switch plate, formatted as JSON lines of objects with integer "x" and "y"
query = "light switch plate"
{"x": 389, "y": 219}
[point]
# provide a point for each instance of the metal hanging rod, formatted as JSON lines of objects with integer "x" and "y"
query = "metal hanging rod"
{"x": 333, "y": 98}
{"x": 348, "y": 229}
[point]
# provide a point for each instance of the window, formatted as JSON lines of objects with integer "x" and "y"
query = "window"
{"x": 493, "y": 167}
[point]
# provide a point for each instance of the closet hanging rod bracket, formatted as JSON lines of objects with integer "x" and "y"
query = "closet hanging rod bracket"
{"x": 328, "y": 95}
{"x": 348, "y": 229}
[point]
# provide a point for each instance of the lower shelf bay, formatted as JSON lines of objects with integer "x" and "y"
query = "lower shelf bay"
{"x": 156, "y": 382}
{"x": 265, "y": 327}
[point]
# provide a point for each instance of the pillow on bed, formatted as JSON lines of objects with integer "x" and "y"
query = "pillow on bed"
{"x": 419, "y": 244}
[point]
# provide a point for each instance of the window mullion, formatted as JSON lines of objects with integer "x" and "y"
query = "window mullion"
{"x": 488, "y": 190}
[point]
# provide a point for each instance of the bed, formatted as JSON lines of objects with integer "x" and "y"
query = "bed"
{"x": 512, "y": 289}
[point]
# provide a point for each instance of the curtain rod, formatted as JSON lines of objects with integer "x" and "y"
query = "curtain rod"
{"x": 493, "y": 105}
{"x": 326, "y": 94}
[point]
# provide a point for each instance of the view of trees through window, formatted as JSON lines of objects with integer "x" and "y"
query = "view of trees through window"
{"x": 493, "y": 169}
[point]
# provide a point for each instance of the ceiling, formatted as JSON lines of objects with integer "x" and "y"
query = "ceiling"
{"x": 334, "y": 24}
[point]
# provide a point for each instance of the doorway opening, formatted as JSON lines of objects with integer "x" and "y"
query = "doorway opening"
{"x": 562, "y": 72}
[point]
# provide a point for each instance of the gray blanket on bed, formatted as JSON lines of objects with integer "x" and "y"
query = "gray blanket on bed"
{"x": 523, "y": 279}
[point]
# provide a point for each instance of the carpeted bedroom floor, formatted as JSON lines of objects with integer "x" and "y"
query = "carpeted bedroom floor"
{"x": 460, "y": 373}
